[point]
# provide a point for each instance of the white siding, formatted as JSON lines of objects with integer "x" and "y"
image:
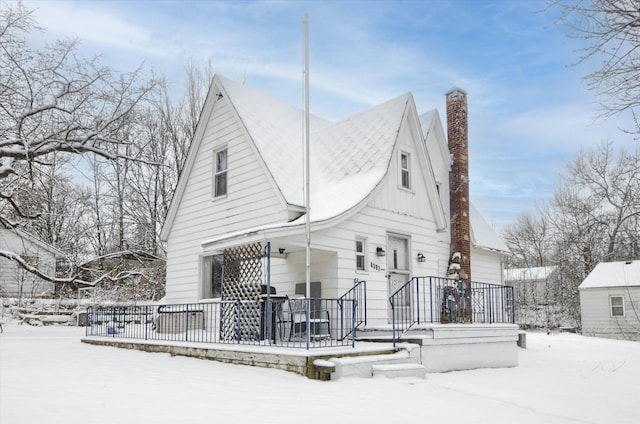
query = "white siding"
{"x": 596, "y": 314}
{"x": 375, "y": 225}
{"x": 391, "y": 197}
{"x": 286, "y": 273}
{"x": 15, "y": 280}
{"x": 486, "y": 267}
{"x": 251, "y": 201}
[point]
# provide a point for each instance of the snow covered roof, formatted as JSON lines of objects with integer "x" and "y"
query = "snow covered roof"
{"x": 33, "y": 239}
{"x": 482, "y": 235}
{"x": 348, "y": 158}
{"x": 273, "y": 123}
{"x": 537, "y": 273}
{"x": 613, "y": 274}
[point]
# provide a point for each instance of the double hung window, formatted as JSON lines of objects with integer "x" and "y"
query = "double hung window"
{"x": 360, "y": 255}
{"x": 617, "y": 306}
{"x": 220, "y": 173}
{"x": 405, "y": 170}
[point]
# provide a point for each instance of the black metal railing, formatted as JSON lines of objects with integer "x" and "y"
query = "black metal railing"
{"x": 443, "y": 300}
{"x": 277, "y": 321}
{"x": 357, "y": 294}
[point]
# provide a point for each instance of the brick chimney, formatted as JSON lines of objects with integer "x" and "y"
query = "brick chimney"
{"x": 457, "y": 133}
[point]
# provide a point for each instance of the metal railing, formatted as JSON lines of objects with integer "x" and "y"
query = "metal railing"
{"x": 443, "y": 300}
{"x": 278, "y": 321}
{"x": 357, "y": 294}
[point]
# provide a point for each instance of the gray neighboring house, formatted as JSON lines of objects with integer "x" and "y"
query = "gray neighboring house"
{"x": 610, "y": 301}
{"x": 15, "y": 281}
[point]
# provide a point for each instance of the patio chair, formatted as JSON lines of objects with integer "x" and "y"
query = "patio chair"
{"x": 319, "y": 323}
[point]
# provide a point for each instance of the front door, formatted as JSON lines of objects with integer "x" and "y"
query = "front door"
{"x": 398, "y": 274}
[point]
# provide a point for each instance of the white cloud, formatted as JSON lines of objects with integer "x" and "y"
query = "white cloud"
{"x": 95, "y": 23}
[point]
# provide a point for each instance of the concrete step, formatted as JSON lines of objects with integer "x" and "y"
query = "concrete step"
{"x": 362, "y": 366}
{"x": 384, "y": 333}
{"x": 399, "y": 370}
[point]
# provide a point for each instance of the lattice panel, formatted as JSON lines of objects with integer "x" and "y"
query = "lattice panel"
{"x": 241, "y": 283}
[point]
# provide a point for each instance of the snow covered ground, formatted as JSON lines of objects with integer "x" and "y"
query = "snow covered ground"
{"x": 47, "y": 375}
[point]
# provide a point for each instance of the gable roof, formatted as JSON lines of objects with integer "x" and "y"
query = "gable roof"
{"x": 32, "y": 239}
{"x": 349, "y": 159}
{"x": 613, "y": 274}
{"x": 276, "y": 130}
{"x": 432, "y": 125}
{"x": 482, "y": 235}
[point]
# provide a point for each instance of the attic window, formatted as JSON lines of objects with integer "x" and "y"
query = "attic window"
{"x": 405, "y": 170}
{"x": 220, "y": 173}
{"x": 617, "y": 306}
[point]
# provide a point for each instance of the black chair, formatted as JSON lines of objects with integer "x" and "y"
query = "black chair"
{"x": 319, "y": 322}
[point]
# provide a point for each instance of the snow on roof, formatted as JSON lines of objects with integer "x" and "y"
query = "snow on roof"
{"x": 482, "y": 235}
{"x": 33, "y": 239}
{"x": 426, "y": 118}
{"x": 613, "y": 274}
{"x": 347, "y": 160}
{"x": 273, "y": 123}
{"x": 350, "y": 158}
{"x": 537, "y": 273}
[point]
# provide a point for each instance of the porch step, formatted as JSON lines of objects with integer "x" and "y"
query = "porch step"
{"x": 363, "y": 366}
{"x": 399, "y": 370}
{"x": 384, "y": 333}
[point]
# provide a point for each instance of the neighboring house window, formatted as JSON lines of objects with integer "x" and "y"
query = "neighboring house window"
{"x": 220, "y": 175}
{"x": 31, "y": 260}
{"x": 212, "y": 276}
{"x": 617, "y": 306}
{"x": 360, "y": 255}
{"x": 405, "y": 170}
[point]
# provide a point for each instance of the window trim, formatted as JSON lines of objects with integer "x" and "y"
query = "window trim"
{"x": 362, "y": 254}
{"x": 403, "y": 171}
{"x": 612, "y": 306}
{"x": 206, "y": 275}
{"x": 219, "y": 172}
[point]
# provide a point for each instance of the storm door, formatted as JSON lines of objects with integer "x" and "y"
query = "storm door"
{"x": 398, "y": 274}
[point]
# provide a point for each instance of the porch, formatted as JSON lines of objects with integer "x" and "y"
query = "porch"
{"x": 275, "y": 321}
{"x": 439, "y": 324}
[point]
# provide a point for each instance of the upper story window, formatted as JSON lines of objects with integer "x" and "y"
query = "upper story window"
{"x": 360, "y": 255}
{"x": 220, "y": 173}
{"x": 617, "y": 306}
{"x": 405, "y": 170}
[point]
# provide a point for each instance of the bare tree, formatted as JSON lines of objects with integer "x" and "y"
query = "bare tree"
{"x": 607, "y": 188}
{"x": 594, "y": 216}
{"x": 611, "y": 29}
{"x": 53, "y": 102}
{"x": 529, "y": 240}
{"x": 165, "y": 131}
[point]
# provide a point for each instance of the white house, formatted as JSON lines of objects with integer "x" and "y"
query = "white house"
{"x": 610, "y": 301}
{"x": 14, "y": 280}
{"x": 379, "y": 201}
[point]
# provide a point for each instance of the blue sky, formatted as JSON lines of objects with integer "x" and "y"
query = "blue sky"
{"x": 529, "y": 110}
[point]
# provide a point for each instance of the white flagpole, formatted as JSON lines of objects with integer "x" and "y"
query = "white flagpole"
{"x": 307, "y": 197}
{"x": 306, "y": 155}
